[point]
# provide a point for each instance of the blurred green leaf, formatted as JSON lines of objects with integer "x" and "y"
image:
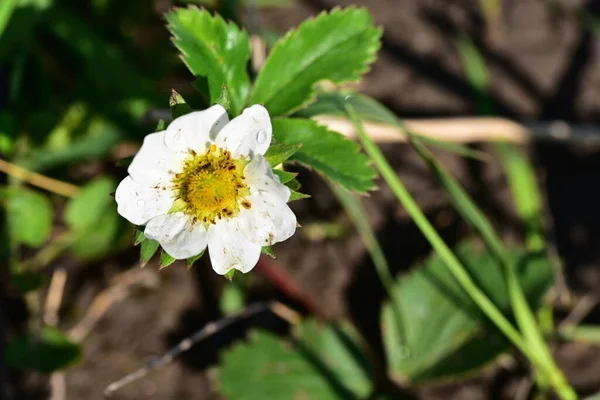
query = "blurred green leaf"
{"x": 325, "y": 363}
{"x": 27, "y": 281}
{"x": 6, "y": 9}
{"x": 232, "y": 299}
{"x": 337, "y": 46}
{"x": 328, "y": 152}
{"x": 92, "y": 216}
{"x": 29, "y": 216}
{"x": 213, "y": 49}
{"x": 524, "y": 190}
{"x": 100, "y": 138}
{"x": 46, "y": 352}
{"x": 279, "y": 152}
{"x": 446, "y": 333}
{"x": 581, "y": 333}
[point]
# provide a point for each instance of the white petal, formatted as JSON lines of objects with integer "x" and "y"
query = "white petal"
{"x": 268, "y": 221}
{"x": 262, "y": 181}
{"x": 247, "y": 134}
{"x": 154, "y": 160}
{"x": 228, "y": 248}
{"x": 140, "y": 203}
{"x": 196, "y": 130}
{"x": 177, "y": 235}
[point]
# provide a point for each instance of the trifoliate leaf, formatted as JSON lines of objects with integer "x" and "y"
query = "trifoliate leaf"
{"x": 325, "y": 364}
{"x": 178, "y": 105}
{"x": 337, "y": 46}
{"x": 213, "y": 49}
{"x": 48, "y": 351}
{"x": 445, "y": 334}
{"x": 29, "y": 216}
{"x": 279, "y": 152}
{"x": 328, "y": 152}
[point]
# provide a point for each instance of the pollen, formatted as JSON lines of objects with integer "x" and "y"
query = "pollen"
{"x": 211, "y": 186}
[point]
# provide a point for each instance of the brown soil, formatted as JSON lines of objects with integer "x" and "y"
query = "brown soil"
{"x": 538, "y": 63}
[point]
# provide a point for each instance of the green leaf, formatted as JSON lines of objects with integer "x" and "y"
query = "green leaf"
{"x": 92, "y": 216}
{"x": 178, "y": 105}
{"x": 325, "y": 364}
{"x": 232, "y": 299}
{"x": 279, "y": 152}
{"x": 147, "y": 250}
{"x": 213, "y": 49}
{"x": 46, "y": 352}
{"x": 284, "y": 176}
{"x": 29, "y": 216}
{"x": 337, "y": 46}
{"x": 446, "y": 333}
{"x": 328, "y": 152}
{"x": 268, "y": 250}
{"x": 166, "y": 259}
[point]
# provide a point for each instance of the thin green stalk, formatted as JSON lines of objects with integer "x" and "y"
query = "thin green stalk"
{"x": 438, "y": 244}
{"x": 456, "y": 268}
{"x": 476, "y": 72}
{"x": 6, "y": 9}
{"x": 357, "y": 214}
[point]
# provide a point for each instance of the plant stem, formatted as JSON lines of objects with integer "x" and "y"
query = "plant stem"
{"x": 356, "y": 213}
{"x": 452, "y": 262}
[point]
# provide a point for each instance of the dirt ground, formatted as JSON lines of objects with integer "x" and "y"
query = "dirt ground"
{"x": 543, "y": 66}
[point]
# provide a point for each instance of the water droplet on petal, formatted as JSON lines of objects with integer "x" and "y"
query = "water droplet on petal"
{"x": 261, "y": 136}
{"x": 141, "y": 203}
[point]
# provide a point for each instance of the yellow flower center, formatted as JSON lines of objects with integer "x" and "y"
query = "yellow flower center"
{"x": 210, "y": 186}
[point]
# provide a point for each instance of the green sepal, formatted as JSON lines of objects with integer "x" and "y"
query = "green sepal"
{"x": 161, "y": 125}
{"x": 166, "y": 259}
{"x": 280, "y": 152}
{"x": 284, "y": 176}
{"x": 189, "y": 263}
{"x": 138, "y": 235}
{"x": 223, "y": 99}
{"x": 298, "y": 196}
{"x": 268, "y": 250}
{"x": 147, "y": 250}
{"x": 178, "y": 105}
{"x": 229, "y": 274}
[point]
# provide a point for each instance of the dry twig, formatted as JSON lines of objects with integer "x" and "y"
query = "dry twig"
{"x": 38, "y": 180}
